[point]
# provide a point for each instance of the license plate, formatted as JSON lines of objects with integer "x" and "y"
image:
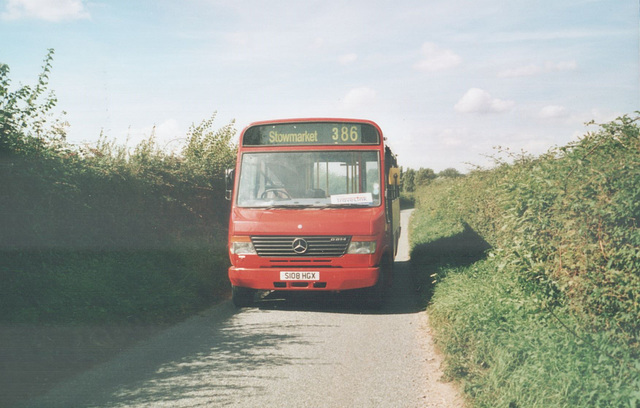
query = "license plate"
{"x": 300, "y": 276}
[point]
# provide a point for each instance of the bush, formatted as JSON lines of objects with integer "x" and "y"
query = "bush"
{"x": 568, "y": 221}
{"x": 508, "y": 353}
{"x": 103, "y": 232}
{"x": 563, "y": 228}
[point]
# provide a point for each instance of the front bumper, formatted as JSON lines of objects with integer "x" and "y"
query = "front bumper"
{"x": 328, "y": 279}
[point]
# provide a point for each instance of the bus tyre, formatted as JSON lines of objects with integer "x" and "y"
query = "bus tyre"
{"x": 377, "y": 293}
{"x": 387, "y": 267}
{"x": 242, "y": 297}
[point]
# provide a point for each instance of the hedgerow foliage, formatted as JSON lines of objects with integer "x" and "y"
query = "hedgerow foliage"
{"x": 63, "y": 206}
{"x": 565, "y": 252}
{"x": 568, "y": 221}
{"x": 572, "y": 218}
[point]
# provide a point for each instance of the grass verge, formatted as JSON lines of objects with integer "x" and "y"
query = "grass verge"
{"x": 507, "y": 351}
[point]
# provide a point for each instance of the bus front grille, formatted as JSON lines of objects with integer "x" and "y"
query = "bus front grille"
{"x": 301, "y": 246}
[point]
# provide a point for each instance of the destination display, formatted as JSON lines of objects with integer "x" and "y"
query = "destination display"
{"x": 311, "y": 133}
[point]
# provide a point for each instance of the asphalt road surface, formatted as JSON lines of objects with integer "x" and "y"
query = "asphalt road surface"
{"x": 324, "y": 350}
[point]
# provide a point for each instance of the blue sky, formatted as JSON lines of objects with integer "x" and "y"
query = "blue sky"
{"x": 447, "y": 80}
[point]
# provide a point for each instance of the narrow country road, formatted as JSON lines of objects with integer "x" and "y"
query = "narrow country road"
{"x": 324, "y": 350}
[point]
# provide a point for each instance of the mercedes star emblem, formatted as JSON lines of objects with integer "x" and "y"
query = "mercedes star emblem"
{"x": 300, "y": 246}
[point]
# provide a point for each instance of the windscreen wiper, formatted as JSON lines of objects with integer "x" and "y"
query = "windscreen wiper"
{"x": 294, "y": 206}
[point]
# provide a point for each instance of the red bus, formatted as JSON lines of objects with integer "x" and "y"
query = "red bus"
{"x": 314, "y": 207}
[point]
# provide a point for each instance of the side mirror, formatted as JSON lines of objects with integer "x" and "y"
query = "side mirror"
{"x": 230, "y": 177}
{"x": 394, "y": 176}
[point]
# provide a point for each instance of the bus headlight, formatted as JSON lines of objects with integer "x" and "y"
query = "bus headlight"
{"x": 362, "y": 247}
{"x": 242, "y": 246}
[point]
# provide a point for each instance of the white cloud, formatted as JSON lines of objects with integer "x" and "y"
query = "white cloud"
{"x": 238, "y": 39}
{"x": 168, "y": 135}
{"x": 358, "y": 97}
{"x": 48, "y": 10}
{"x": 480, "y": 101}
{"x": 553, "y": 111}
{"x": 599, "y": 116}
{"x": 452, "y": 137}
{"x": 561, "y": 66}
{"x": 535, "y": 69}
{"x": 348, "y": 59}
{"x": 435, "y": 58}
{"x": 544, "y": 35}
{"x": 528, "y": 70}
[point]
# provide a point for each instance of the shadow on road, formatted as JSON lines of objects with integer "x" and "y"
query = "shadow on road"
{"x": 223, "y": 353}
{"x": 210, "y": 357}
{"x": 401, "y": 298}
{"x": 433, "y": 258}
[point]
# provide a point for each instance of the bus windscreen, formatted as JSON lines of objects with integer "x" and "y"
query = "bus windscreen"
{"x": 311, "y": 133}
{"x": 309, "y": 178}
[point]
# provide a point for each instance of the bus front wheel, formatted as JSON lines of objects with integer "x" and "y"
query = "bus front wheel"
{"x": 377, "y": 293}
{"x": 242, "y": 297}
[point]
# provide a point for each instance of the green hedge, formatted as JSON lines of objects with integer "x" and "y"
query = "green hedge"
{"x": 106, "y": 232}
{"x": 568, "y": 221}
{"x": 564, "y": 233}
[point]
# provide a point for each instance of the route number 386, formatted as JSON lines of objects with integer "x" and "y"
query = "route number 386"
{"x": 345, "y": 134}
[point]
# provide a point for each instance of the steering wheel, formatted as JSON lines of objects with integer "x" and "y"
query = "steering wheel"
{"x": 279, "y": 193}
